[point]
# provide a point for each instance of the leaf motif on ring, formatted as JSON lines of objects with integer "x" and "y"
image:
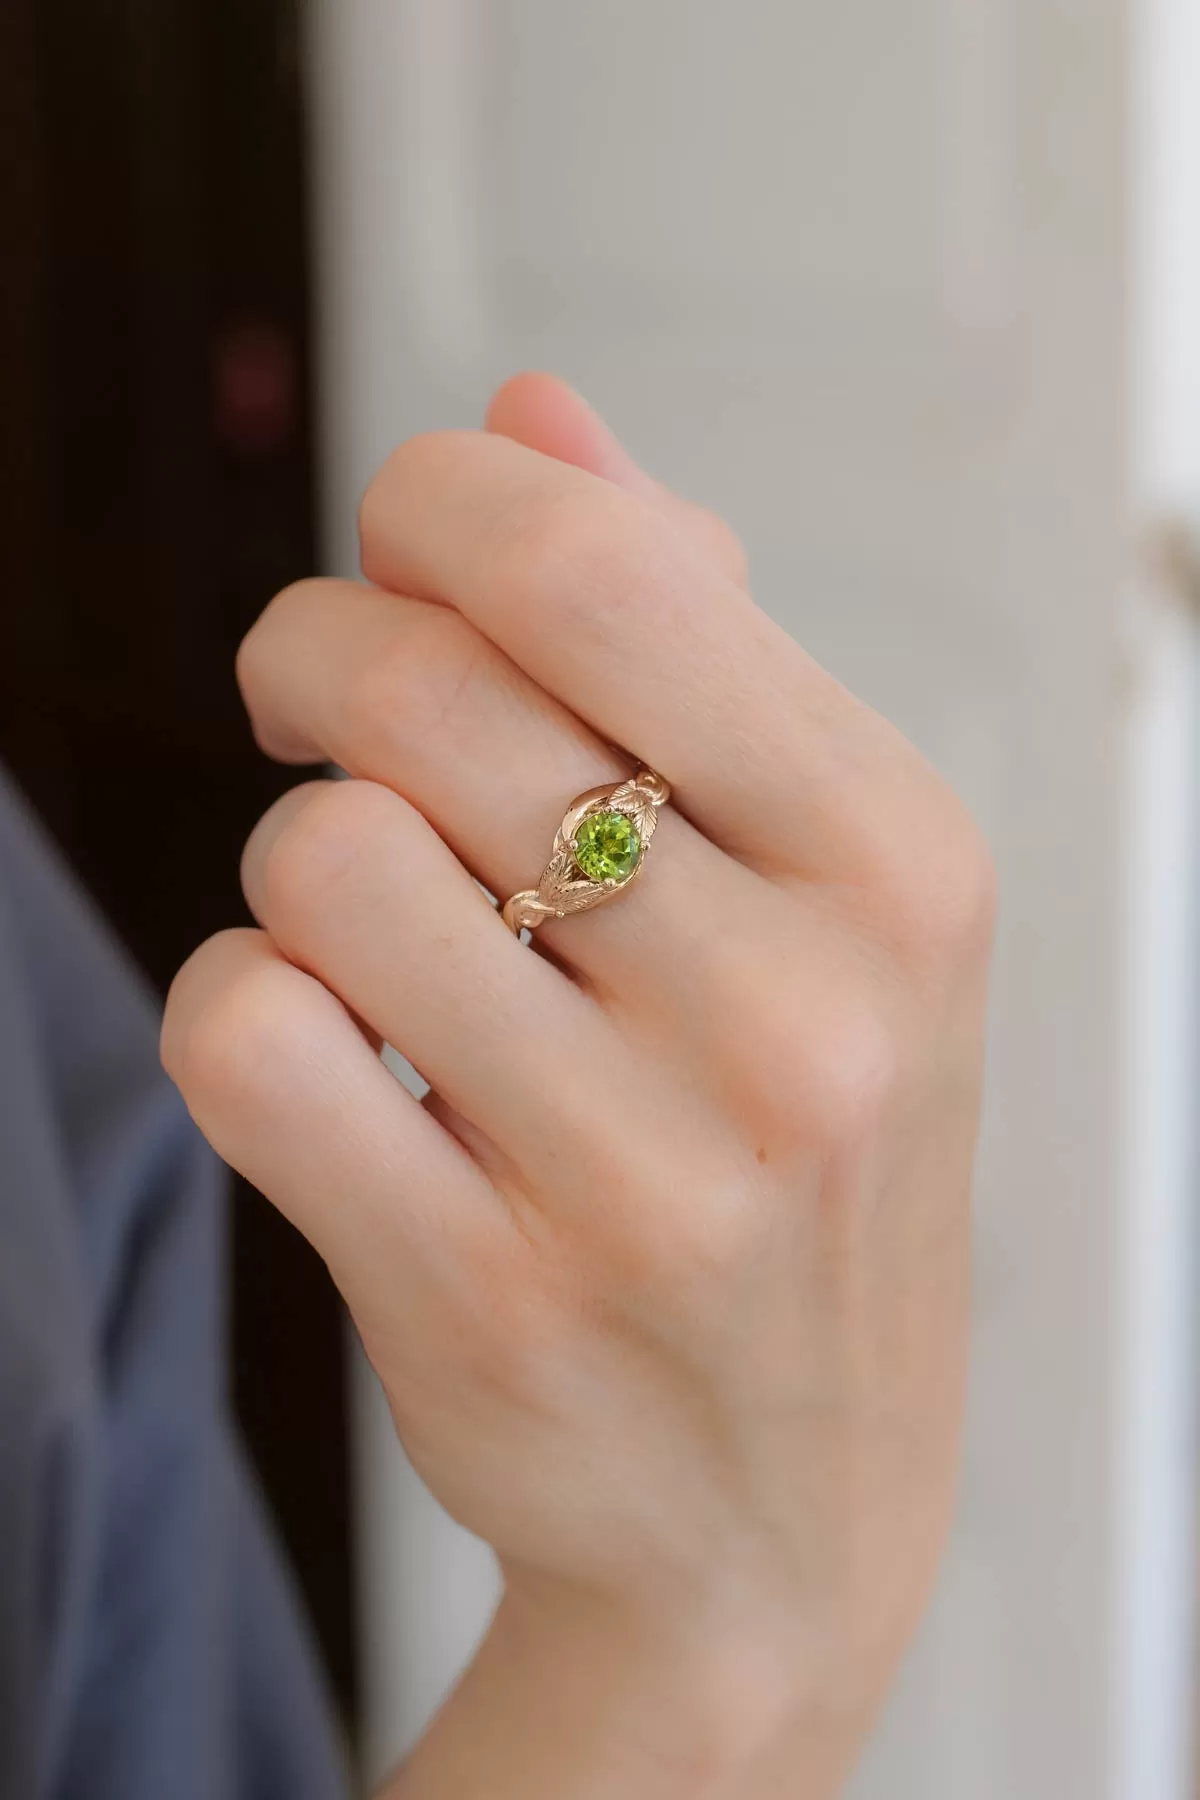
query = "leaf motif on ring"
{"x": 563, "y": 888}
{"x": 637, "y": 805}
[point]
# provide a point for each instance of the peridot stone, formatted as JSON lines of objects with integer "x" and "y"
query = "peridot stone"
{"x": 608, "y": 847}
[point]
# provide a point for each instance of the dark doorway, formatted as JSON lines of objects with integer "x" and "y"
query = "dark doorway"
{"x": 156, "y": 464}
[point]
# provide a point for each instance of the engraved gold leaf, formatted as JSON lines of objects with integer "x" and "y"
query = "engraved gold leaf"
{"x": 564, "y": 888}
{"x": 630, "y": 800}
{"x": 579, "y": 895}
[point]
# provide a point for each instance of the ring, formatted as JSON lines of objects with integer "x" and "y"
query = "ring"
{"x": 598, "y": 852}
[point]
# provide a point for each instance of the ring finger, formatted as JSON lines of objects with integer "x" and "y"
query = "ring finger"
{"x": 358, "y": 890}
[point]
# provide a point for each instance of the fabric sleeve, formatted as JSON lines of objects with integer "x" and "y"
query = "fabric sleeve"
{"x": 171, "y": 1657}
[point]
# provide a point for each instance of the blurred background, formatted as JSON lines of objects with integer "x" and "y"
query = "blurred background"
{"x": 911, "y": 292}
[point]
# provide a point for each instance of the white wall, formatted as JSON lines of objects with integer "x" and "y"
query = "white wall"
{"x": 908, "y": 293}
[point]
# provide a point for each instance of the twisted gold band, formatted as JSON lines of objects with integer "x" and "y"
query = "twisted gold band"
{"x": 598, "y": 852}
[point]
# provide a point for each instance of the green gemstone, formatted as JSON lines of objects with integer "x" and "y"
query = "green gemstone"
{"x": 608, "y": 847}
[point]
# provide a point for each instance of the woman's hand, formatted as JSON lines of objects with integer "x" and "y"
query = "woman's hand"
{"x": 667, "y": 1279}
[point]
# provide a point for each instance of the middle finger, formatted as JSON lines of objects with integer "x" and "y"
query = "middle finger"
{"x": 407, "y": 693}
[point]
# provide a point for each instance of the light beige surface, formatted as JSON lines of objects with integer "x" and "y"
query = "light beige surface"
{"x": 867, "y": 279}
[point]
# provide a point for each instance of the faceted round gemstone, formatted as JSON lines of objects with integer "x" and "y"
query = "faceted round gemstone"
{"x": 607, "y": 846}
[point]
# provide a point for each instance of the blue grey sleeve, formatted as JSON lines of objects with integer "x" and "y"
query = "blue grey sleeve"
{"x": 150, "y": 1643}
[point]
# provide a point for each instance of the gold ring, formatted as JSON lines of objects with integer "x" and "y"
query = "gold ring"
{"x": 598, "y": 852}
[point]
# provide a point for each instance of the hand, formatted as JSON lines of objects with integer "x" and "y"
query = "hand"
{"x": 666, "y": 1281}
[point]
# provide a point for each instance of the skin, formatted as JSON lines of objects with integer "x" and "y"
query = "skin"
{"x": 666, "y": 1281}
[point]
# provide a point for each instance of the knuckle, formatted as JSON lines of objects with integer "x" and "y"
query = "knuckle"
{"x": 223, "y": 1055}
{"x": 683, "y": 1238}
{"x": 256, "y": 652}
{"x": 828, "y": 1068}
{"x": 569, "y": 554}
{"x": 946, "y": 907}
{"x": 972, "y": 892}
{"x": 316, "y": 851}
{"x": 726, "y": 1231}
{"x": 853, "y": 1074}
{"x": 412, "y": 696}
{"x": 423, "y": 456}
{"x": 249, "y": 665}
{"x": 260, "y": 669}
{"x": 373, "y": 510}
